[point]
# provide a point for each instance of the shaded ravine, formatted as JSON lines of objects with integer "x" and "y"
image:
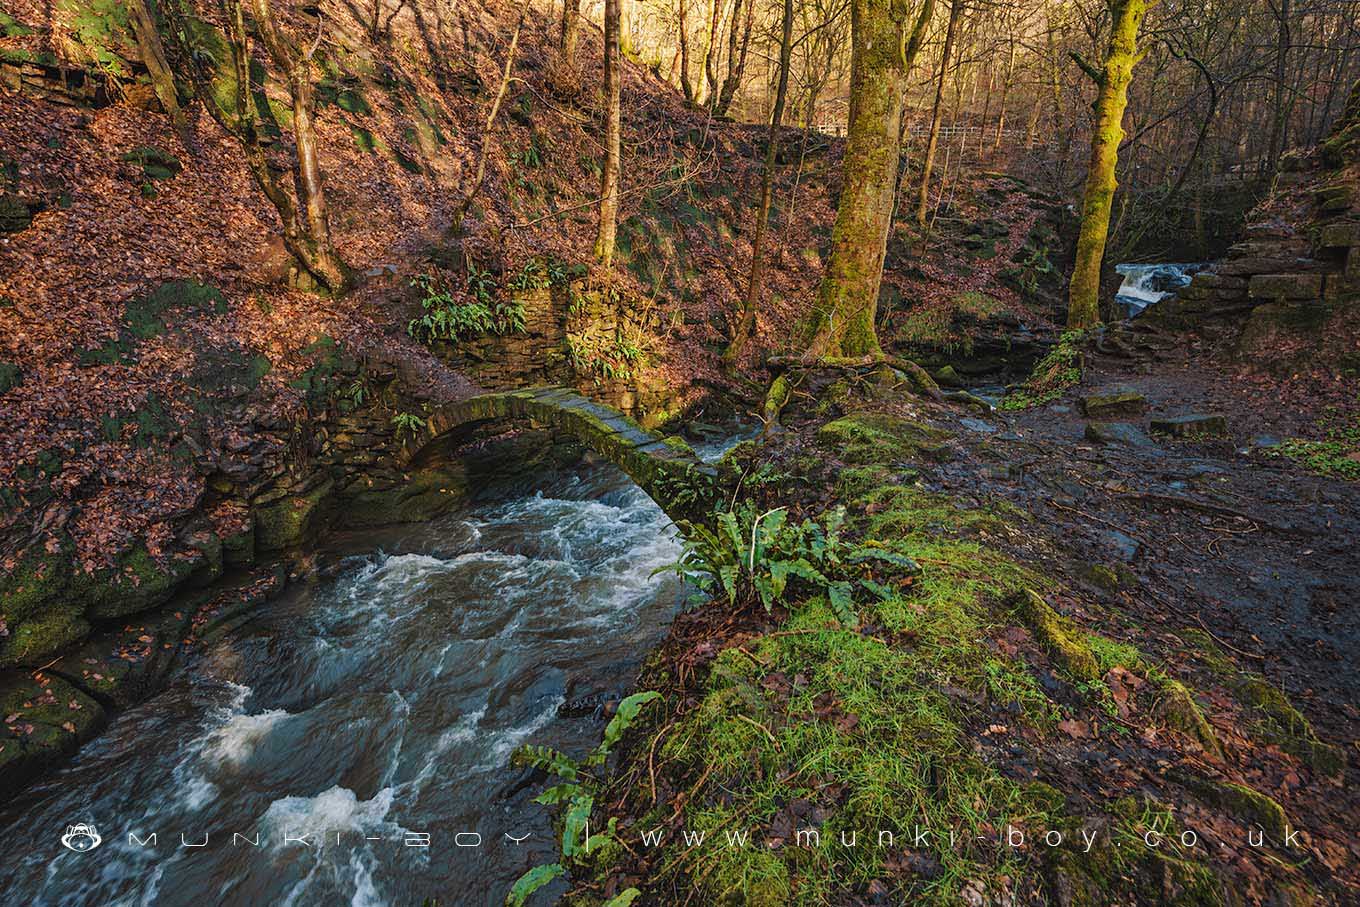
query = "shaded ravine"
{"x": 364, "y": 711}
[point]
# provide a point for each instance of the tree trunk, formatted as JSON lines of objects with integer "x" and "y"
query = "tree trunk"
{"x": 456, "y": 228}
{"x": 748, "y": 316}
{"x": 143, "y": 20}
{"x": 1083, "y": 297}
{"x": 570, "y": 31}
{"x": 932, "y": 142}
{"x": 711, "y": 55}
{"x": 1279, "y": 118}
{"x": 883, "y": 45}
{"x": 325, "y": 264}
{"x": 685, "y": 84}
{"x": 736, "y": 58}
{"x": 609, "y": 175}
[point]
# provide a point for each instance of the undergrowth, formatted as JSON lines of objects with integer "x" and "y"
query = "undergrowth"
{"x": 1060, "y": 369}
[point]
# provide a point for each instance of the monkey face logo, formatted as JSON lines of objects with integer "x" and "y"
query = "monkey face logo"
{"x": 81, "y": 838}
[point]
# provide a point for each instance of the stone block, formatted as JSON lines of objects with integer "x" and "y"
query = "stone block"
{"x": 1285, "y": 286}
{"x": 1113, "y": 401}
{"x": 1339, "y": 236}
{"x": 1195, "y": 424}
{"x": 1331, "y": 199}
{"x": 1117, "y": 433}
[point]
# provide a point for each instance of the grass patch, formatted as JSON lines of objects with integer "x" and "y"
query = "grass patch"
{"x": 934, "y": 325}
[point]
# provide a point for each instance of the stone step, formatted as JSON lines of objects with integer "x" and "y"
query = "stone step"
{"x": 1191, "y": 425}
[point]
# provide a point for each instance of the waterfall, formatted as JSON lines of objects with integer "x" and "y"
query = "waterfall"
{"x": 1148, "y": 284}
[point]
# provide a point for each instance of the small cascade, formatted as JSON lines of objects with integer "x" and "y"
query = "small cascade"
{"x": 1148, "y": 284}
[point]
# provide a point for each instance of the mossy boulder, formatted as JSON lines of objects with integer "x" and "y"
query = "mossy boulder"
{"x": 37, "y": 581}
{"x": 36, "y": 638}
{"x": 292, "y": 520}
{"x": 156, "y": 163}
{"x": 1240, "y": 801}
{"x": 51, "y": 718}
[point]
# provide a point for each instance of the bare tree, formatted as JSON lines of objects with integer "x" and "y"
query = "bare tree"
{"x": 936, "y": 109}
{"x": 609, "y": 173}
{"x": 746, "y": 326}
{"x": 306, "y": 223}
{"x": 143, "y": 19}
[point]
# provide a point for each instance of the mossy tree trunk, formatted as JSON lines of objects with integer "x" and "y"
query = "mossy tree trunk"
{"x": 142, "y": 16}
{"x": 884, "y": 42}
{"x": 753, "y": 289}
{"x": 936, "y": 111}
{"x": 1112, "y": 96}
{"x": 609, "y": 173}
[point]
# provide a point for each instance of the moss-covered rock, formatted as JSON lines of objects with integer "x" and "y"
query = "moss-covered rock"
{"x": 1180, "y": 711}
{"x": 39, "y": 579}
{"x": 1113, "y": 402}
{"x": 46, "y": 720}
{"x": 35, "y": 639}
{"x": 1063, "y": 641}
{"x": 289, "y": 522}
{"x": 424, "y": 496}
{"x": 138, "y": 581}
{"x": 867, "y": 437}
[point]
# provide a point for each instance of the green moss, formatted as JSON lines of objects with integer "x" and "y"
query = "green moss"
{"x": 36, "y": 639}
{"x": 156, "y": 163}
{"x": 100, "y": 28}
{"x": 867, "y": 437}
{"x": 1241, "y": 802}
{"x": 1059, "y": 636}
{"x": 868, "y": 714}
{"x": 289, "y": 522}
{"x": 138, "y": 582}
{"x": 11, "y": 27}
{"x": 1058, "y": 370}
{"x": 1275, "y": 719}
{"x": 38, "y": 580}
{"x": 1181, "y": 712}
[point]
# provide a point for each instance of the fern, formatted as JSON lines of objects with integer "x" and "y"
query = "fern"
{"x": 531, "y": 881}
{"x": 751, "y": 557}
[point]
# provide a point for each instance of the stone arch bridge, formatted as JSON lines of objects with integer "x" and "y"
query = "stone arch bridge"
{"x": 667, "y": 469}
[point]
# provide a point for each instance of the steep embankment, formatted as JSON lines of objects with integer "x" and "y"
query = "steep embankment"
{"x": 173, "y": 405}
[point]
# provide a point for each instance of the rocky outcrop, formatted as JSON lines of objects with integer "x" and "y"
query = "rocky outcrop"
{"x": 1298, "y": 265}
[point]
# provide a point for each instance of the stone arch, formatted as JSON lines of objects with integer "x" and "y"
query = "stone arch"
{"x": 667, "y": 469}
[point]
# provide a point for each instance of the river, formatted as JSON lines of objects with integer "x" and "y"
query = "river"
{"x": 363, "y": 712}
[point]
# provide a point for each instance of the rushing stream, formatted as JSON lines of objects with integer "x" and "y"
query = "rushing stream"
{"x": 364, "y": 712}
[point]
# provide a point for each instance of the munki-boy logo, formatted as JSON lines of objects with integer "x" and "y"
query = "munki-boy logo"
{"x": 81, "y": 838}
